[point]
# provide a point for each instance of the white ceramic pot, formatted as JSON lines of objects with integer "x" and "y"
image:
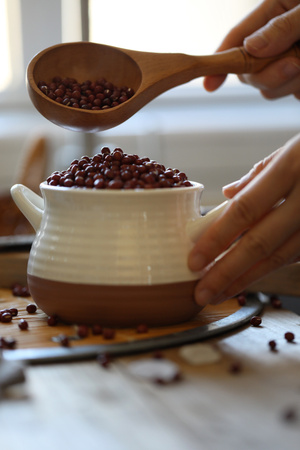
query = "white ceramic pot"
{"x": 115, "y": 257}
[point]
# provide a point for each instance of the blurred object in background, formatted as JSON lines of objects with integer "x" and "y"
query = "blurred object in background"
{"x": 31, "y": 172}
{"x": 32, "y": 168}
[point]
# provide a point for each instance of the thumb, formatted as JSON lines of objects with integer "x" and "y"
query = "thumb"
{"x": 278, "y": 35}
{"x": 230, "y": 190}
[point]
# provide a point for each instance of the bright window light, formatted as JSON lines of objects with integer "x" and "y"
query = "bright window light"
{"x": 5, "y": 72}
{"x": 181, "y": 26}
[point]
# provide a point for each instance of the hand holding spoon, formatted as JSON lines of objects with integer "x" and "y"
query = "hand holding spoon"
{"x": 148, "y": 74}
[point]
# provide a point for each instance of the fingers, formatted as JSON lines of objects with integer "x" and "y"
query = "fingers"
{"x": 256, "y": 19}
{"x": 292, "y": 88}
{"x": 212, "y": 83}
{"x": 286, "y": 254}
{"x": 233, "y": 188}
{"x": 264, "y": 214}
{"x": 278, "y": 35}
{"x": 233, "y": 39}
{"x": 245, "y": 209}
{"x": 270, "y": 244}
{"x": 278, "y": 79}
{"x": 268, "y": 30}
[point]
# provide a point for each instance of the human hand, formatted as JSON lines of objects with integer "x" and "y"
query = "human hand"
{"x": 272, "y": 28}
{"x": 262, "y": 219}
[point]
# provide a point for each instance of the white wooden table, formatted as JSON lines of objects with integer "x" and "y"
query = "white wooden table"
{"x": 83, "y": 405}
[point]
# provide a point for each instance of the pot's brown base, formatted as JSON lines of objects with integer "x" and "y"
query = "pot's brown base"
{"x": 115, "y": 306}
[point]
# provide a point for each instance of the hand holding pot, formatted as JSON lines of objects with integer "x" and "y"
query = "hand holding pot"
{"x": 264, "y": 210}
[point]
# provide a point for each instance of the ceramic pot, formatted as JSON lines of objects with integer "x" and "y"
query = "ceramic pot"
{"x": 114, "y": 257}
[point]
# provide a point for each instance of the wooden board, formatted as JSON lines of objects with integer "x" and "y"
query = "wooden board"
{"x": 36, "y": 344}
{"x": 212, "y": 407}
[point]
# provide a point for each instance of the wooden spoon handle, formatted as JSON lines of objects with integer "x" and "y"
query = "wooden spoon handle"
{"x": 163, "y": 71}
{"x": 238, "y": 60}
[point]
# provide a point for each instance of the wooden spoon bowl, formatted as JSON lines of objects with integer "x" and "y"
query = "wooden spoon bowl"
{"x": 148, "y": 74}
{"x": 82, "y": 61}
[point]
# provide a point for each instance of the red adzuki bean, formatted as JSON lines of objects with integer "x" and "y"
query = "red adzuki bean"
{"x": 117, "y": 170}
{"x": 289, "y": 336}
{"x": 82, "y": 331}
{"x": 242, "y": 299}
{"x": 104, "y": 359}
{"x": 255, "y": 321}
{"x": 23, "y": 324}
{"x": 64, "y": 340}
{"x": 108, "y": 333}
{"x": 5, "y": 316}
{"x": 13, "y": 311}
{"x": 142, "y": 328}
{"x": 8, "y": 343}
{"x": 20, "y": 291}
{"x": 275, "y": 302}
{"x": 52, "y": 321}
{"x": 31, "y": 308}
{"x": 96, "y": 95}
{"x": 96, "y": 329}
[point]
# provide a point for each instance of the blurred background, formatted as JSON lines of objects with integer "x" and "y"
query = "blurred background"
{"x": 214, "y": 137}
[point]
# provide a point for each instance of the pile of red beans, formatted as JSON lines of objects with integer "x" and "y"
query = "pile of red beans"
{"x": 91, "y": 95}
{"x": 117, "y": 170}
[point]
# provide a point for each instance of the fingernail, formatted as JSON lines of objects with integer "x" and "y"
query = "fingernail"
{"x": 290, "y": 69}
{"x": 255, "y": 42}
{"x": 231, "y": 185}
{"x": 197, "y": 261}
{"x": 203, "y": 297}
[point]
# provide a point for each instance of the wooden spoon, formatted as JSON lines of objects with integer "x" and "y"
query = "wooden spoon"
{"x": 149, "y": 74}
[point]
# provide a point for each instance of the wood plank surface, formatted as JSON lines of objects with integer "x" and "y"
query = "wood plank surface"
{"x": 67, "y": 405}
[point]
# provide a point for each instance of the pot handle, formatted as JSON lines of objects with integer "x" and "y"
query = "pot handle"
{"x": 197, "y": 226}
{"x": 29, "y": 203}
